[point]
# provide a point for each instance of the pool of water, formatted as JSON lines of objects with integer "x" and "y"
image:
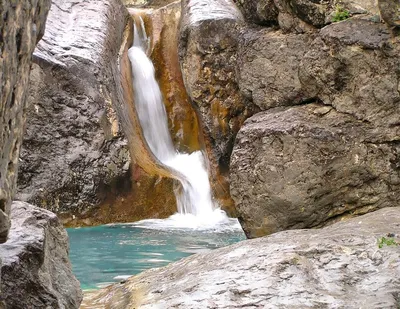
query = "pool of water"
{"x": 105, "y": 254}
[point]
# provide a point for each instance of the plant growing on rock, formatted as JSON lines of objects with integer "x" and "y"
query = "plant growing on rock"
{"x": 388, "y": 241}
{"x": 340, "y": 14}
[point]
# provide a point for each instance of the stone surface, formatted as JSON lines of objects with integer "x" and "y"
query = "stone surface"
{"x": 208, "y": 55}
{"x": 262, "y": 12}
{"x": 307, "y": 15}
{"x": 340, "y": 266}
{"x": 352, "y": 67}
{"x": 268, "y": 65}
{"x": 36, "y": 272}
{"x": 308, "y": 166}
{"x": 21, "y": 27}
{"x": 76, "y": 159}
{"x": 390, "y": 12}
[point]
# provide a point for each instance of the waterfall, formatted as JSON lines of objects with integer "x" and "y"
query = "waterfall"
{"x": 194, "y": 199}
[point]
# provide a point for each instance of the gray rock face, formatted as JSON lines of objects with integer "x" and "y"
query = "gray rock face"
{"x": 296, "y": 168}
{"x": 36, "y": 272}
{"x": 268, "y": 65}
{"x": 390, "y": 12}
{"x": 351, "y": 67}
{"x": 306, "y": 166}
{"x": 260, "y": 12}
{"x": 74, "y": 153}
{"x": 340, "y": 266}
{"x": 21, "y": 27}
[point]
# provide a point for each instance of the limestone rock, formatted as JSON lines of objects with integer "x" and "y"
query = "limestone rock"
{"x": 75, "y": 159}
{"x": 307, "y": 166}
{"x": 36, "y": 272}
{"x": 340, "y": 266}
{"x": 208, "y": 55}
{"x": 21, "y": 27}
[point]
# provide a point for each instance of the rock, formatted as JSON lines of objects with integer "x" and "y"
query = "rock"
{"x": 308, "y": 15}
{"x": 390, "y": 12}
{"x": 268, "y": 65}
{"x": 351, "y": 67}
{"x": 306, "y": 166}
{"x": 208, "y": 55}
{"x": 76, "y": 160}
{"x": 262, "y": 12}
{"x": 340, "y": 266}
{"x": 21, "y": 27}
{"x": 36, "y": 272}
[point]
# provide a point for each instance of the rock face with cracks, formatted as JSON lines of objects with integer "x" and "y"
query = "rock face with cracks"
{"x": 340, "y": 266}
{"x": 308, "y": 166}
{"x": 36, "y": 272}
{"x": 21, "y": 27}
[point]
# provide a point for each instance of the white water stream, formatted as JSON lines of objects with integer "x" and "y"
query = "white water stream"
{"x": 196, "y": 208}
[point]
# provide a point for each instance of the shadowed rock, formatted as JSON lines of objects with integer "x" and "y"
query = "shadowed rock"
{"x": 340, "y": 266}
{"x": 36, "y": 272}
{"x": 21, "y": 27}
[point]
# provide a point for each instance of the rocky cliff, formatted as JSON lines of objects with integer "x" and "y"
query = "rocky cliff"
{"x": 333, "y": 156}
{"x": 350, "y": 264}
{"x": 21, "y": 27}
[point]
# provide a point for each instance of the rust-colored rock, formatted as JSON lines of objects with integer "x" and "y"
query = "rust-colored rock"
{"x": 82, "y": 128}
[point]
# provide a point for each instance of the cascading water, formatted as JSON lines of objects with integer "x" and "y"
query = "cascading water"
{"x": 195, "y": 204}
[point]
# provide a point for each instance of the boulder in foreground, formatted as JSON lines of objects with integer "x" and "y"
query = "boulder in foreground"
{"x": 36, "y": 272}
{"x": 340, "y": 266}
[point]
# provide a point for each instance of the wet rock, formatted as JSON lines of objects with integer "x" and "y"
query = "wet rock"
{"x": 21, "y": 27}
{"x": 340, "y": 266}
{"x": 75, "y": 159}
{"x": 162, "y": 25}
{"x": 208, "y": 56}
{"x": 309, "y": 166}
{"x": 36, "y": 272}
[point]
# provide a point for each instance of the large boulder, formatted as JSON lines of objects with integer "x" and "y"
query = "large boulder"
{"x": 308, "y": 166}
{"x": 21, "y": 27}
{"x": 75, "y": 159}
{"x": 347, "y": 265}
{"x": 296, "y": 168}
{"x": 209, "y": 39}
{"x": 36, "y": 272}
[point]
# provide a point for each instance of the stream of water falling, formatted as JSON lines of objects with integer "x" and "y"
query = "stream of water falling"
{"x": 195, "y": 204}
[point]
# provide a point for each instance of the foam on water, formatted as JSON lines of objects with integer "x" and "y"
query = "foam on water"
{"x": 196, "y": 208}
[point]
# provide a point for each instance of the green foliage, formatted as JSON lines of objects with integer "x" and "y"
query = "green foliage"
{"x": 340, "y": 14}
{"x": 388, "y": 241}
